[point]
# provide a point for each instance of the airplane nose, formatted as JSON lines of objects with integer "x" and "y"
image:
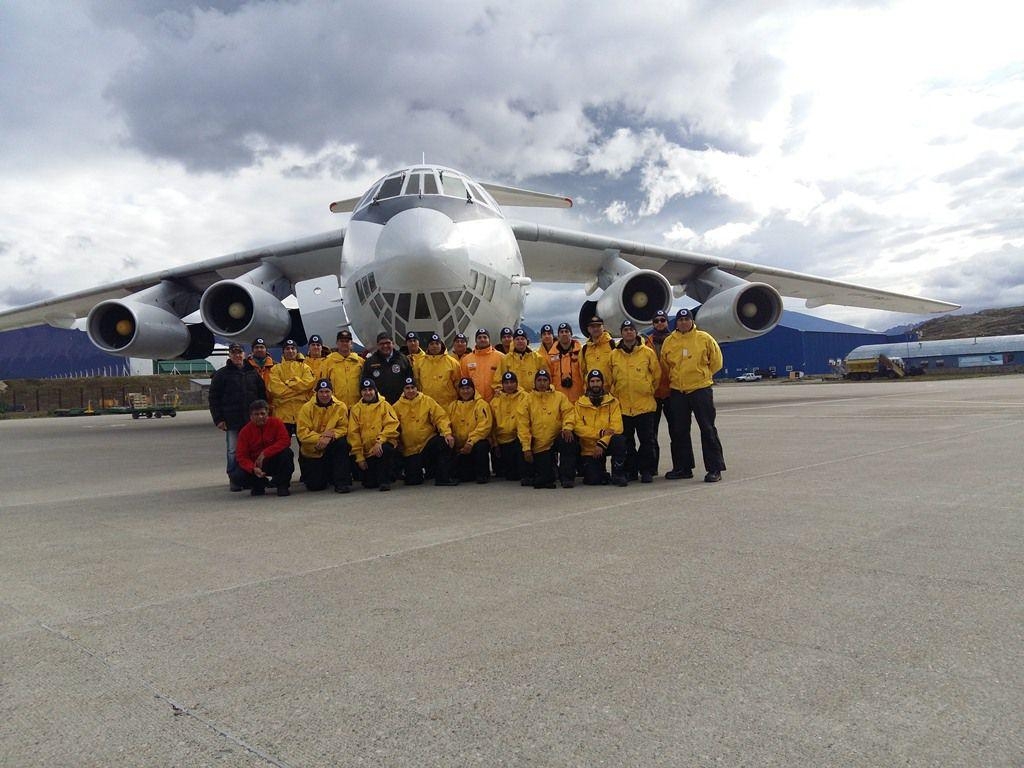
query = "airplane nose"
{"x": 421, "y": 247}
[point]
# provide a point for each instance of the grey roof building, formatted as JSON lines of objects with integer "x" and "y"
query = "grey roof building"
{"x": 982, "y": 352}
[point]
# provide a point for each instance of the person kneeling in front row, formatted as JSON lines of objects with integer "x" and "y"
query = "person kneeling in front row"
{"x": 263, "y": 453}
{"x": 373, "y": 435}
{"x": 322, "y": 427}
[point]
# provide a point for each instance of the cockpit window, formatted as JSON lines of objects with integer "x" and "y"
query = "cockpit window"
{"x": 413, "y": 185}
{"x": 429, "y": 184}
{"x": 453, "y": 186}
{"x": 392, "y": 187}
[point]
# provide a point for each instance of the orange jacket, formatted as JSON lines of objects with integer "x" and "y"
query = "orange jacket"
{"x": 566, "y": 364}
{"x": 483, "y": 367}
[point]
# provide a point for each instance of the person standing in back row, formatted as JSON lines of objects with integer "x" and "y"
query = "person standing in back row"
{"x": 692, "y": 358}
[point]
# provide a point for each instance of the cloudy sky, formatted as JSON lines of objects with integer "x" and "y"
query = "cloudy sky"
{"x": 875, "y": 142}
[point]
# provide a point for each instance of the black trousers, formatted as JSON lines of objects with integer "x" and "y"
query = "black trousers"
{"x": 594, "y": 472}
{"x": 475, "y": 465}
{"x": 435, "y": 459}
{"x": 701, "y": 405}
{"x": 278, "y": 468}
{"x": 508, "y": 460}
{"x": 544, "y": 466}
{"x": 640, "y": 428}
{"x": 333, "y": 467}
{"x": 378, "y": 468}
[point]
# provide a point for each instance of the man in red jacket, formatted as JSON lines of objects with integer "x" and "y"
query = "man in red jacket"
{"x": 264, "y": 454}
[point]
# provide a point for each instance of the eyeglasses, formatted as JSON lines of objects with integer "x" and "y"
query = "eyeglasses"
{"x": 660, "y": 320}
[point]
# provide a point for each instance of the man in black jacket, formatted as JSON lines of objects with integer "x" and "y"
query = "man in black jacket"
{"x": 232, "y": 390}
{"x": 387, "y": 368}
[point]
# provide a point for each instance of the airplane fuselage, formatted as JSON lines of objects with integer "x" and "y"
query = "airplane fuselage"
{"x": 427, "y": 250}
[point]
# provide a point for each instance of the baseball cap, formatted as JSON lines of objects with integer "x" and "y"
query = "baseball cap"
{"x": 595, "y": 320}
{"x": 344, "y": 336}
{"x": 382, "y": 336}
{"x": 233, "y": 347}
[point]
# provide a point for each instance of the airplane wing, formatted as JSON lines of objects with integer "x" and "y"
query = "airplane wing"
{"x": 552, "y": 254}
{"x": 297, "y": 260}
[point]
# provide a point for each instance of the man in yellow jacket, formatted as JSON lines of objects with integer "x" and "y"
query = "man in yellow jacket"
{"x": 471, "y": 419}
{"x": 322, "y": 429}
{"x": 506, "y": 451}
{"x": 636, "y": 374}
{"x": 692, "y": 358}
{"x": 599, "y": 429}
{"x": 426, "y": 439}
{"x": 546, "y": 432}
{"x": 597, "y": 352}
{"x": 291, "y": 384}
{"x": 522, "y": 361}
{"x": 373, "y": 435}
{"x": 316, "y": 357}
{"x": 437, "y": 373}
{"x": 345, "y": 369}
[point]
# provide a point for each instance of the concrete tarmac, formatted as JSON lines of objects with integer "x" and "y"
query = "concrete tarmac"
{"x": 849, "y": 595}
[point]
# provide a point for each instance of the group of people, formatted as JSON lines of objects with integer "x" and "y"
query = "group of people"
{"x": 541, "y": 417}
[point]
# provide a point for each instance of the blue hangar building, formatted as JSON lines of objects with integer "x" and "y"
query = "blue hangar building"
{"x": 798, "y": 343}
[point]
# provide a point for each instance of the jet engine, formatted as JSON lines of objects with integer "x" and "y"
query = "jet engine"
{"x": 733, "y": 308}
{"x": 629, "y": 294}
{"x": 248, "y": 306}
{"x": 148, "y": 324}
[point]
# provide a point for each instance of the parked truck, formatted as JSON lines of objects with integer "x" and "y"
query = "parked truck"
{"x": 878, "y": 367}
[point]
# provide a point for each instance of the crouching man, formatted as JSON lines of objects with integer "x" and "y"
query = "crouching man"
{"x": 322, "y": 429}
{"x": 599, "y": 428}
{"x": 545, "y": 425}
{"x": 263, "y": 453}
{"x": 471, "y": 420}
{"x": 426, "y": 437}
{"x": 373, "y": 435}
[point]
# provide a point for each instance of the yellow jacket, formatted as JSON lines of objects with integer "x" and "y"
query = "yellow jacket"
{"x": 369, "y": 424}
{"x": 692, "y": 359}
{"x": 506, "y": 410}
{"x": 437, "y": 376}
{"x": 561, "y": 365}
{"x": 543, "y": 416}
{"x": 315, "y": 419}
{"x": 597, "y": 423}
{"x": 420, "y": 418}
{"x": 318, "y": 365}
{"x": 471, "y": 420}
{"x": 597, "y": 356}
{"x": 524, "y": 366}
{"x": 345, "y": 374}
{"x": 291, "y": 383}
{"x": 264, "y": 372}
{"x": 482, "y": 366}
{"x": 635, "y": 378}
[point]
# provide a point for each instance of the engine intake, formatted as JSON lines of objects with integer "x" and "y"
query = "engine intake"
{"x": 238, "y": 310}
{"x": 636, "y": 297}
{"x": 744, "y": 311}
{"x": 148, "y": 324}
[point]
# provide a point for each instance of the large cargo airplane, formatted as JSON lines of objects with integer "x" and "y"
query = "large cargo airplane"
{"x": 428, "y": 249}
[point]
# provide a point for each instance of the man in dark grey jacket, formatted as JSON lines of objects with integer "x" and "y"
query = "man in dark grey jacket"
{"x": 232, "y": 390}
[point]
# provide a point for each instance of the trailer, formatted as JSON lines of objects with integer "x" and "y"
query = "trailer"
{"x": 879, "y": 366}
{"x": 141, "y": 406}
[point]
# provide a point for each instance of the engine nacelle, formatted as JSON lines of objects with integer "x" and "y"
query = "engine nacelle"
{"x": 240, "y": 311}
{"x": 149, "y": 324}
{"x": 744, "y": 311}
{"x": 636, "y": 296}
{"x": 134, "y": 329}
